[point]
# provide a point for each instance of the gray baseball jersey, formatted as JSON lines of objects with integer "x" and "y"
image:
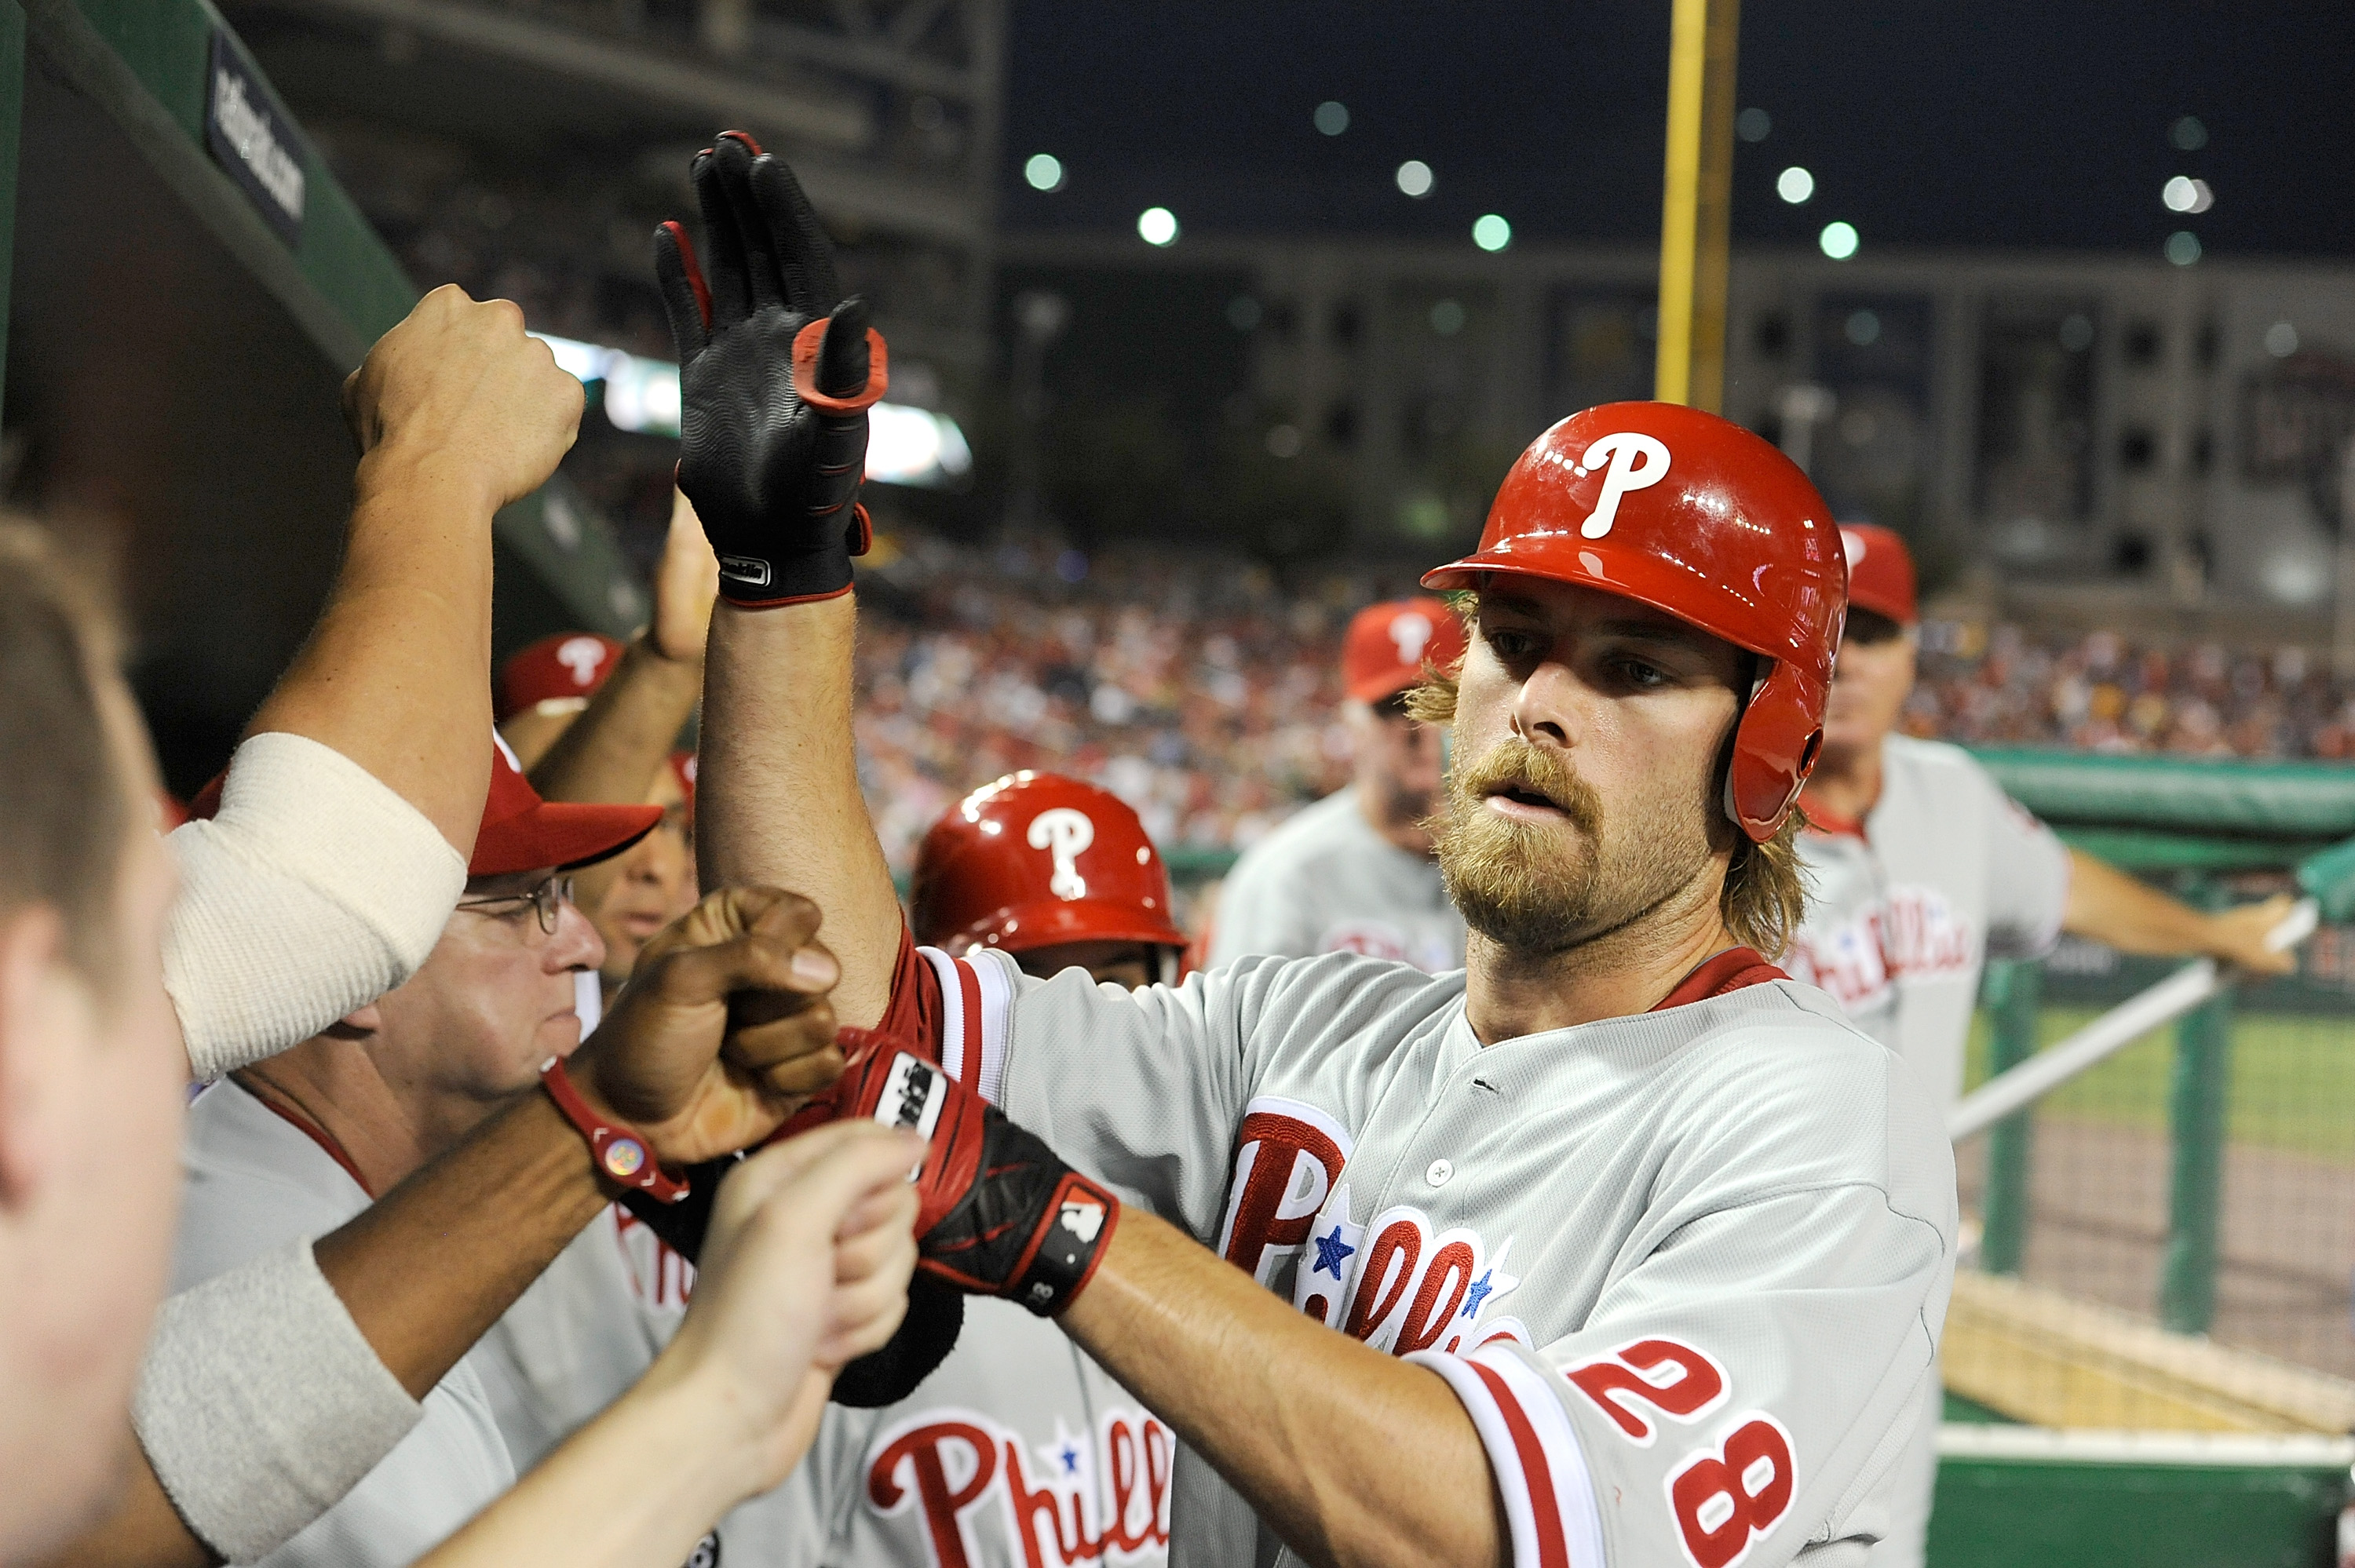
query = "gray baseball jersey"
{"x": 1905, "y": 907}
{"x": 1685, "y": 1270}
{"x": 1325, "y": 882}
{"x": 1018, "y": 1451}
{"x": 584, "y": 1332}
{"x": 256, "y": 1181}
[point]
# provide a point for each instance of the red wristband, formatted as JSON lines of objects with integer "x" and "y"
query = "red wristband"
{"x": 623, "y": 1156}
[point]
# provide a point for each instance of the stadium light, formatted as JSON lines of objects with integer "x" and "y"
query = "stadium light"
{"x": 1044, "y": 172}
{"x": 1157, "y": 226}
{"x": 905, "y": 445}
{"x": 1332, "y": 118}
{"x": 2184, "y": 193}
{"x": 1491, "y": 232}
{"x": 1795, "y": 184}
{"x": 1838, "y": 241}
{"x": 1414, "y": 179}
{"x": 2182, "y": 248}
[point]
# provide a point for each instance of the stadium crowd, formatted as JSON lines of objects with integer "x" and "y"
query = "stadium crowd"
{"x": 1204, "y": 693}
{"x": 1192, "y": 686}
{"x": 2107, "y": 693}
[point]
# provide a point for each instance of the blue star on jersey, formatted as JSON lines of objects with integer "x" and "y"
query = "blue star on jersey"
{"x": 1478, "y": 1293}
{"x": 1331, "y": 1251}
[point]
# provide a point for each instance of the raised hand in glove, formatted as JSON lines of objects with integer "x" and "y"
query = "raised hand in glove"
{"x": 998, "y": 1213}
{"x": 776, "y": 373}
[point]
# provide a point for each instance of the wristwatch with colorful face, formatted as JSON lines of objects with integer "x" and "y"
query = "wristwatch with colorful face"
{"x": 624, "y": 1156}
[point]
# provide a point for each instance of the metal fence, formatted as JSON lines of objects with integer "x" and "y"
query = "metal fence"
{"x": 2200, "y": 1182}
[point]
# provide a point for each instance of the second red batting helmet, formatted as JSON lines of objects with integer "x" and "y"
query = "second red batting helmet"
{"x": 1036, "y": 860}
{"x": 1694, "y": 515}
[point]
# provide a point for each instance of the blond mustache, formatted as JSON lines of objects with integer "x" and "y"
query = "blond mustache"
{"x": 1515, "y": 764}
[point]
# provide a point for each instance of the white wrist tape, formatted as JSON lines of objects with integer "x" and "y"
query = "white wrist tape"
{"x": 316, "y": 890}
{"x": 261, "y": 1403}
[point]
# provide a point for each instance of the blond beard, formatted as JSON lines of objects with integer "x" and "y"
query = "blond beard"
{"x": 1519, "y": 887}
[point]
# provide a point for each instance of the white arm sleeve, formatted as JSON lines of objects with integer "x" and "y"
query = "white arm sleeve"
{"x": 261, "y": 1403}
{"x": 315, "y": 891}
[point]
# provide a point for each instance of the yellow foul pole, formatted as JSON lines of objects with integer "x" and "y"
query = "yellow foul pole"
{"x": 1694, "y": 213}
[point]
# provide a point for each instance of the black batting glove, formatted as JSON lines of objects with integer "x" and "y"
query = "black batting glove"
{"x": 998, "y": 1212}
{"x": 776, "y": 373}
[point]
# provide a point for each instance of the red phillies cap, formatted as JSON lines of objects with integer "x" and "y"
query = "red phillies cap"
{"x": 1388, "y": 644}
{"x": 565, "y": 668}
{"x": 1880, "y": 572}
{"x": 520, "y": 832}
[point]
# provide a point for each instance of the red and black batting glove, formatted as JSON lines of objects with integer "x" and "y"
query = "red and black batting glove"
{"x": 776, "y": 372}
{"x": 999, "y": 1215}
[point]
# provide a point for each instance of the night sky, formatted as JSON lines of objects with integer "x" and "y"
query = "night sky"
{"x": 2006, "y": 124}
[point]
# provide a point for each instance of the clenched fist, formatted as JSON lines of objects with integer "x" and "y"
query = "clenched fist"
{"x": 459, "y": 394}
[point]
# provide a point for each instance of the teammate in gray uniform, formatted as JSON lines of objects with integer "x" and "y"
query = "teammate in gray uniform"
{"x": 1353, "y": 872}
{"x": 300, "y": 1144}
{"x": 1020, "y": 1449}
{"x": 1618, "y": 1245}
{"x": 1920, "y": 868}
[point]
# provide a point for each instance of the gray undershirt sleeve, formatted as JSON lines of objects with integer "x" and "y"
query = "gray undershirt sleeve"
{"x": 261, "y": 1403}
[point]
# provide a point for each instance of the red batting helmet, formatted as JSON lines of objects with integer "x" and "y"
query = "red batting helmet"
{"x": 1694, "y": 515}
{"x": 1036, "y": 860}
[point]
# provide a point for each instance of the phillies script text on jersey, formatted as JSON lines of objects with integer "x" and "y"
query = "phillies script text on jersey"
{"x": 1082, "y": 1498}
{"x": 1944, "y": 872}
{"x": 1684, "y": 1270}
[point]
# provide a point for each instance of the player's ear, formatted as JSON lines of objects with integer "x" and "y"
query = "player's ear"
{"x": 359, "y": 1024}
{"x": 37, "y": 1049}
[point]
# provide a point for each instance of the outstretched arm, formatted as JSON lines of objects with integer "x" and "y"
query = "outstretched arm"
{"x": 431, "y": 1265}
{"x": 613, "y": 750}
{"x": 457, "y": 412}
{"x": 350, "y": 809}
{"x": 1351, "y": 1456}
{"x": 2126, "y": 913}
{"x": 776, "y": 373}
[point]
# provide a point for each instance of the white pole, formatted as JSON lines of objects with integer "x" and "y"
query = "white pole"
{"x": 2179, "y": 993}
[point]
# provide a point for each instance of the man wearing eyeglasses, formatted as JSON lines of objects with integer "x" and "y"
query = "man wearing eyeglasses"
{"x": 301, "y": 1143}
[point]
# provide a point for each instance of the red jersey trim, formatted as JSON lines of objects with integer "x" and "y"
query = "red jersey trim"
{"x": 1553, "y": 1549}
{"x": 1728, "y": 972}
{"x": 318, "y": 1135}
{"x": 958, "y": 1012}
{"x": 1829, "y": 823}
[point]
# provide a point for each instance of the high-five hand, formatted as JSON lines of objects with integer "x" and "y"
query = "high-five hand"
{"x": 776, "y": 373}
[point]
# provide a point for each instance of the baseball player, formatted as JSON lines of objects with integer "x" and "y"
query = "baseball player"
{"x": 1920, "y": 868}
{"x": 1019, "y": 1448}
{"x": 1617, "y": 1245}
{"x": 299, "y": 1144}
{"x": 1353, "y": 872}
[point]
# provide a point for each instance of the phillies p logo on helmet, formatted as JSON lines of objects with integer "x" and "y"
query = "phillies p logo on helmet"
{"x": 1638, "y": 461}
{"x": 1064, "y": 834}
